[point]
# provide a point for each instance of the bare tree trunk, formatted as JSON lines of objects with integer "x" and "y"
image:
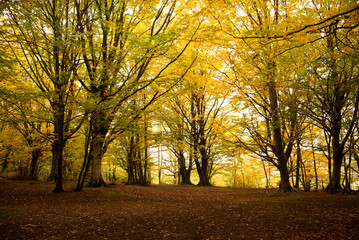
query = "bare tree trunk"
{"x": 35, "y": 155}
{"x": 58, "y": 149}
{"x": 329, "y": 157}
{"x": 202, "y": 168}
{"x": 266, "y": 175}
{"x": 347, "y": 169}
{"x": 277, "y": 135}
{"x": 145, "y": 167}
{"x": 297, "y": 176}
{"x": 86, "y": 162}
{"x": 96, "y": 179}
{"x": 202, "y": 172}
{"x": 100, "y": 126}
{"x": 131, "y": 179}
{"x": 284, "y": 176}
{"x": 159, "y": 163}
{"x": 337, "y": 162}
{"x": 5, "y": 163}
{"x": 53, "y": 173}
{"x": 184, "y": 172}
{"x": 114, "y": 172}
{"x": 315, "y": 168}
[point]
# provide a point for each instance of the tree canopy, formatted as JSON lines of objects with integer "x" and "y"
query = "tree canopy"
{"x": 243, "y": 93}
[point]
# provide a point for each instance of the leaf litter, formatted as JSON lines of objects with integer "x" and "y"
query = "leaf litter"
{"x": 174, "y": 212}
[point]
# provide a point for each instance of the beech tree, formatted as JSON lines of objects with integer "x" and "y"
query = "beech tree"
{"x": 263, "y": 51}
{"x": 273, "y": 127}
{"x": 177, "y": 139}
{"x": 127, "y": 47}
{"x": 269, "y": 84}
{"x": 195, "y": 116}
{"x": 136, "y": 145}
{"x": 333, "y": 90}
{"x": 42, "y": 40}
{"x": 33, "y": 130}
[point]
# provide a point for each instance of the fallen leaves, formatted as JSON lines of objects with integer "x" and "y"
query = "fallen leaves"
{"x": 175, "y": 212}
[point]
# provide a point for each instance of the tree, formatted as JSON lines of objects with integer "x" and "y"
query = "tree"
{"x": 213, "y": 86}
{"x": 21, "y": 109}
{"x": 334, "y": 90}
{"x": 42, "y": 39}
{"x": 33, "y": 133}
{"x": 176, "y": 138}
{"x": 137, "y": 160}
{"x": 260, "y": 76}
{"x": 263, "y": 49}
{"x": 137, "y": 45}
{"x": 196, "y": 117}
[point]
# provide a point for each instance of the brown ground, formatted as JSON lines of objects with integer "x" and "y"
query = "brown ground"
{"x": 31, "y": 211}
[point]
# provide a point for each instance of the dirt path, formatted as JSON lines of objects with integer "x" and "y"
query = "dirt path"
{"x": 32, "y": 211}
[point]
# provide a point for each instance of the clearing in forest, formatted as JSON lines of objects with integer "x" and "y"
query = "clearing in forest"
{"x": 29, "y": 210}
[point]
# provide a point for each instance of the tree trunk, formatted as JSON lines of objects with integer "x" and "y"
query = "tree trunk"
{"x": 137, "y": 172}
{"x": 53, "y": 173}
{"x": 86, "y": 163}
{"x": 145, "y": 167}
{"x": 284, "y": 178}
{"x": 35, "y": 155}
{"x": 184, "y": 172}
{"x": 140, "y": 167}
{"x": 114, "y": 172}
{"x": 315, "y": 168}
{"x": 202, "y": 168}
{"x": 348, "y": 167}
{"x": 202, "y": 173}
{"x": 159, "y": 176}
{"x": 346, "y": 180}
{"x": 266, "y": 175}
{"x": 130, "y": 175}
{"x": 100, "y": 126}
{"x": 337, "y": 160}
{"x": 185, "y": 176}
{"x": 356, "y": 158}
{"x": 299, "y": 156}
{"x": 5, "y": 163}
{"x": 187, "y": 179}
{"x": 58, "y": 150}
{"x": 96, "y": 179}
{"x": 297, "y": 175}
{"x": 182, "y": 168}
{"x": 130, "y": 163}
{"x": 277, "y": 136}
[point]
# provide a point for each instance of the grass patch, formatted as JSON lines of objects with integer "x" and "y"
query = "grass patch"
{"x": 8, "y": 212}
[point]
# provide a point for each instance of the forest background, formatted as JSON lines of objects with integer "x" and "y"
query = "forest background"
{"x": 235, "y": 93}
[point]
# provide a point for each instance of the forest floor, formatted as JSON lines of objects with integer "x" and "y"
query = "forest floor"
{"x": 29, "y": 210}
